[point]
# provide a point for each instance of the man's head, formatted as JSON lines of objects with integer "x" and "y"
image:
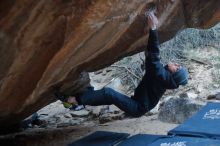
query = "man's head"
{"x": 179, "y": 73}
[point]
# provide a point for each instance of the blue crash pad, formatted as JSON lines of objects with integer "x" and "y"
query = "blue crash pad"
{"x": 205, "y": 123}
{"x": 100, "y": 138}
{"x": 186, "y": 141}
{"x": 139, "y": 140}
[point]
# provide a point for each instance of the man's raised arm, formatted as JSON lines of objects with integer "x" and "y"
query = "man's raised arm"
{"x": 153, "y": 65}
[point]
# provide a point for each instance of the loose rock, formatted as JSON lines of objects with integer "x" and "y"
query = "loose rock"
{"x": 189, "y": 95}
{"x": 214, "y": 96}
{"x": 110, "y": 117}
{"x": 113, "y": 109}
{"x": 177, "y": 110}
{"x": 81, "y": 113}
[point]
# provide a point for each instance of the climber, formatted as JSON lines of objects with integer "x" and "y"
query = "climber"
{"x": 154, "y": 83}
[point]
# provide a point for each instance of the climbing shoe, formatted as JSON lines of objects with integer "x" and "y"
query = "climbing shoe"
{"x": 77, "y": 107}
{"x": 64, "y": 99}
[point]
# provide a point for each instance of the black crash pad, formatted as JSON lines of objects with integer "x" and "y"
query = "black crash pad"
{"x": 205, "y": 123}
{"x": 100, "y": 138}
{"x": 140, "y": 140}
{"x": 185, "y": 141}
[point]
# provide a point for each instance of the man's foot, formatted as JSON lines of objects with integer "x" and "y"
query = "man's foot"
{"x": 68, "y": 102}
{"x": 77, "y": 107}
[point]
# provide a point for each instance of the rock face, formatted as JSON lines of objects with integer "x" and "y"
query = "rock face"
{"x": 177, "y": 110}
{"x": 47, "y": 44}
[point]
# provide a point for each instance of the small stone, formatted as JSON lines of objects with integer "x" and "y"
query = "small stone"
{"x": 113, "y": 109}
{"x": 58, "y": 118}
{"x": 104, "y": 110}
{"x": 188, "y": 95}
{"x": 199, "y": 88}
{"x": 216, "y": 85}
{"x": 96, "y": 111}
{"x": 81, "y": 113}
{"x": 39, "y": 122}
{"x": 217, "y": 96}
{"x": 110, "y": 117}
{"x": 99, "y": 80}
{"x": 108, "y": 70}
{"x": 69, "y": 122}
{"x": 210, "y": 97}
{"x": 214, "y": 96}
{"x": 36, "y": 126}
{"x": 68, "y": 115}
{"x": 104, "y": 72}
{"x": 98, "y": 72}
{"x": 191, "y": 70}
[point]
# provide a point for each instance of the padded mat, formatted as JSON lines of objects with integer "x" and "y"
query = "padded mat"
{"x": 100, "y": 138}
{"x": 186, "y": 141}
{"x": 139, "y": 140}
{"x": 205, "y": 123}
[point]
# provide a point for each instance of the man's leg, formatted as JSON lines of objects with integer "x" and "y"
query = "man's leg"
{"x": 108, "y": 96}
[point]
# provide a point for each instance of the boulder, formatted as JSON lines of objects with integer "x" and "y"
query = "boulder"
{"x": 177, "y": 110}
{"x": 53, "y": 44}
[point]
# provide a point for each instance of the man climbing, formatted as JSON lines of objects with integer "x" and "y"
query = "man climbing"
{"x": 154, "y": 83}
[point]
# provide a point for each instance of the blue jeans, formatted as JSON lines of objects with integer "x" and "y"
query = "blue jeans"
{"x": 108, "y": 96}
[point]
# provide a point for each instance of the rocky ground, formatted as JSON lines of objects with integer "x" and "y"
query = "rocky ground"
{"x": 60, "y": 126}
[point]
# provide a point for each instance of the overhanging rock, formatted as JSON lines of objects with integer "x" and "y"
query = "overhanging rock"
{"x": 49, "y": 43}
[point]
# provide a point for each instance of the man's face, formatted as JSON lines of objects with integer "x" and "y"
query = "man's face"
{"x": 173, "y": 67}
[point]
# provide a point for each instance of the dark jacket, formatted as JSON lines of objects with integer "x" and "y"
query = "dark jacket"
{"x": 156, "y": 79}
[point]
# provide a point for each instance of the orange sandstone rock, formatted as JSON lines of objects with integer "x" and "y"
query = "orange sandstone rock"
{"x": 47, "y": 44}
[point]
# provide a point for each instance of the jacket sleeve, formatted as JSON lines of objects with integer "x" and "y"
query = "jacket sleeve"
{"x": 153, "y": 65}
{"x": 153, "y": 42}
